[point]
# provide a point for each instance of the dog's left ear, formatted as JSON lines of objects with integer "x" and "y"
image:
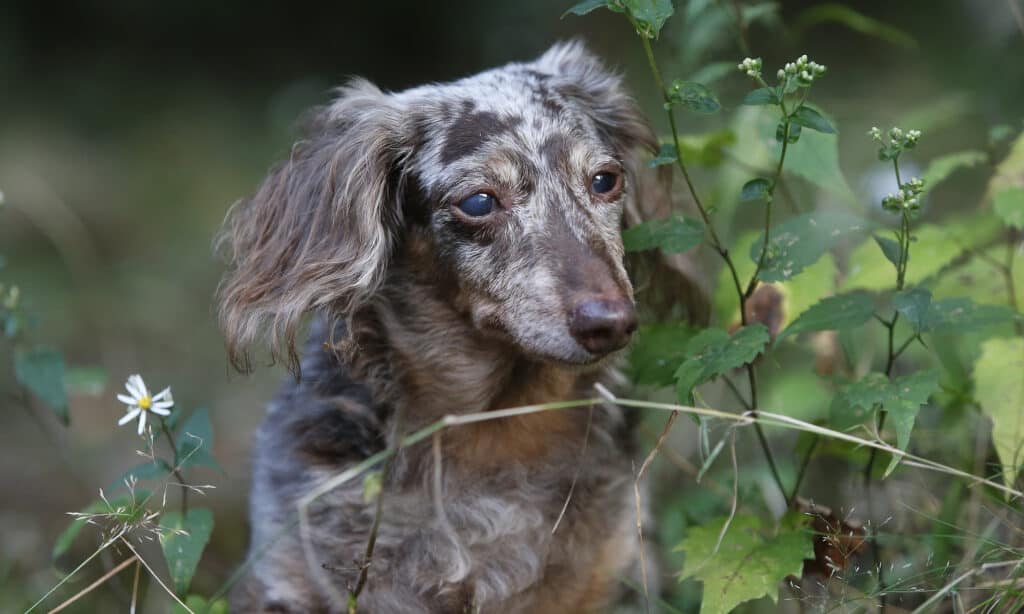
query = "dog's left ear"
{"x": 662, "y": 281}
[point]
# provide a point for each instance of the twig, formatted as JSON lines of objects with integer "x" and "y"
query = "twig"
{"x": 74, "y": 571}
{"x": 135, "y": 588}
{"x": 735, "y": 494}
{"x": 85, "y": 591}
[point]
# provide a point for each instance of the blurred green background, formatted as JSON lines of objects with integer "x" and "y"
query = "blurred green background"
{"x": 128, "y": 129}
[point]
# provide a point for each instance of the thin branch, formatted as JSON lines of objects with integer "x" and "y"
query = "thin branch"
{"x": 579, "y": 468}
{"x": 74, "y": 571}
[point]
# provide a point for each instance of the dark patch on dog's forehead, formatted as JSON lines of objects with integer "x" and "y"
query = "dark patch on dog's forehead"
{"x": 554, "y": 151}
{"x": 472, "y": 128}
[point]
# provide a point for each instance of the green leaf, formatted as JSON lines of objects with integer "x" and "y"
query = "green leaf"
{"x": 760, "y": 96}
{"x": 713, "y": 352}
{"x": 747, "y": 565}
{"x": 817, "y": 161}
{"x": 902, "y": 398}
{"x": 834, "y": 12}
{"x": 650, "y": 14}
{"x": 913, "y": 304}
{"x": 999, "y": 388}
{"x": 715, "y": 71}
{"x": 800, "y": 241}
{"x": 673, "y": 235}
{"x": 755, "y": 189}
{"x": 1009, "y": 171}
{"x": 149, "y": 470}
{"x": 588, "y": 6}
{"x": 839, "y": 312}
{"x": 962, "y": 314}
{"x": 707, "y": 148}
{"x": 809, "y": 118}
{"x": 792, "y": 136}
{"x": 1009, "y": 205}
{"x": 195, "y": 440}
{"x": 41, "y": 370}
{"x": 657, "y": 352}
{"x": 199, "y": 605}
{"x": 667, "y": 154}
{"x": 183, "y": 541}
{"x": 890, "y": 249}
{"x": 91, "y": 381}
{"x": 942, "y": 167}
{"x": 693, "y": 96}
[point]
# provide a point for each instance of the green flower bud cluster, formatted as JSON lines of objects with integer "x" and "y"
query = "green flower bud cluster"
{"x": 898, "y": 141}
{"x": 907, "y": 198}
{"x": 805, "y": 71}
{"x": 751, "y": 67}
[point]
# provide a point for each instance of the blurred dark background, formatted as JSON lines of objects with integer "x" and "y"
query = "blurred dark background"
{"x": 127, "y": 129}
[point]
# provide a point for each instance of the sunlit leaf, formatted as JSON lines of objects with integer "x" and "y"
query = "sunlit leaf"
{"x": 672, "y": 235}
{"x": 183, "y": 541}
{"x": 707, "y": 148}
{"x": 839, "y": 312}
{"x": 694, "y": 96}
{"x": 800, "y": 241}
{"x": 41, "y": 370}
{"x": 714, "y": 352}
{"x": 999, "y": 388}
{"x": 1010, "y": 171}
{"x": 747, "y": 565}
{"x": 1009, "y": 205}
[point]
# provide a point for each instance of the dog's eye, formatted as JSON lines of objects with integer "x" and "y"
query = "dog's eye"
{"x": 604, "y": 182}
{"x": 478, "y": 205}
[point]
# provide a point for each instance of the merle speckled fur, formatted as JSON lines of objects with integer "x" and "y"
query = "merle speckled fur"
{"x": 421, "y": 311}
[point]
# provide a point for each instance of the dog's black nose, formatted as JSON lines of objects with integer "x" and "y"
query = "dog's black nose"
{"x": 602, "y": 326}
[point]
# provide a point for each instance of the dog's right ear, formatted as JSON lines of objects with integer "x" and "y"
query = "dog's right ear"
{"x": 319, "y": 232}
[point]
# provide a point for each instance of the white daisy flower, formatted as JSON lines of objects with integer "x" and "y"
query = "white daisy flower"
{"x": 140, "y": 402}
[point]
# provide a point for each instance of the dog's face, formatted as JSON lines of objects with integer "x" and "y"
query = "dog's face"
{"x": 508, "y": 188}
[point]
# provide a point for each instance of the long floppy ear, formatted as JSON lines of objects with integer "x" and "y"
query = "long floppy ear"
{"x": 320, "y": 230}
{"x": 663, "y": 281}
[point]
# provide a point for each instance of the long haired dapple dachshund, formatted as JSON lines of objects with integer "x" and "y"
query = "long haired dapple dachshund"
{"x": 458, "y": 249}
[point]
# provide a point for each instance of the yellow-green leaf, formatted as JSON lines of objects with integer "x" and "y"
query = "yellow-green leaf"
{"x": 747, "y": 565}
{"x": 999, "y": 382}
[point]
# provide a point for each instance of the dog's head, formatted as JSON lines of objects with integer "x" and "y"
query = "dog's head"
{"x": 507, "y": 190}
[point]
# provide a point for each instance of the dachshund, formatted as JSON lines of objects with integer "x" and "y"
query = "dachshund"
{"x": 449, "y": 249}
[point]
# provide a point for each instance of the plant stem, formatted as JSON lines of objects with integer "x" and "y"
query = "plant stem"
{"x": 176, "y": 470}
{"x": 716, "y": 242}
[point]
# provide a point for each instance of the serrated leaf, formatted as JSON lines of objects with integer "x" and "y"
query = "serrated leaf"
{"x": 962, "y": 315}
{"x": 651, "y": 15}
{"x": 672, "y": 235}
{"x": 913, "y": 305}
{"x": 755, "y": 189}
{"x": 194, "y": 441}
{"x": 657, "y": 352}
{"x": 942, "y": 167}
{"x": 839, "y": 312}
{"x": 760, "y": 96}
{"x": 999, "y": 389}
{"x": 588, "y": 6}
{"x": 1009, "y": 205}
{"x": 183, "y": 541}
{"x": 714, "y": 352}
{"x": 667, "y": 154}
{"x": 799, "y": 242}
{"x": 901, "y": 397}
{"x": 890, "y": 249}
{"x": 41, "y": 370}
{"x": 694, "y": 96}
{"x": 747, "y": 565}
{"x": 809, "y": 118}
